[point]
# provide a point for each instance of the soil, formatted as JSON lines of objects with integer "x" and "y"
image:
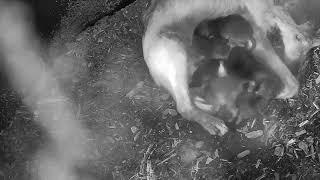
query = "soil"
{"x": 134, "y": 130}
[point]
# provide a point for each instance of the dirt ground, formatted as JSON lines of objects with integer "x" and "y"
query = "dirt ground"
{"x": 134, "y": 130}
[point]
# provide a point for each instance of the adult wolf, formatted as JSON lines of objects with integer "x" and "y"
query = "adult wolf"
{"x": 168, "y": 52}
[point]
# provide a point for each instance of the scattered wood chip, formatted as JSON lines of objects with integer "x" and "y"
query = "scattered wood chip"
{"x": 117, "y": 137}
{"x": 254, "y": 134}
{"x": 270, "y": 131}
{"x": 176, "y": 126}
{"x": 315, "y": 104}
{"x": 318, "y": 80}
{"x": 207, "y": 153}
{"x": 188, "y": 154}
{"x": 144, "y": 160}
{"x": 150, "y": 172}
{"x": 196, "y": 168}
{"x": 136, "y": 136}
{"x": 243, "y": 154}
{"x": 304, "y": 146}
{"x": 279, "y": 151}
{"x": 112, "y": 126}
{"x": 167, "y": 159}
{"x": 176, "y": 142}
{"x": 216, "y": 154}
{"x": 169, "y": 128}
{"x": 135, "y": 90}
{"x": 134, "y": 129}
{"x": 100, "y": 40}
{"x": 313, "y": 154}
{"x": 314, "y": 113}
{"x": 299, "y": 133}
{"x": 291, "y": 102}
{"x": 290, "y": 155}
{"x": 209, "y": 160}
{"x": 253, "y": 122}
{"x": 258, "y": 163}
{"x": 261, "y": 177}
{"x": 303, "y": 123}
{"x": 165, "y": 97}
{"x": 199, "y": 144}
{"x": 243, "y": 129}
{"x": 310, "y": 139}
{"x": 291, "y": 141}
{"x": 143, "y": 97}
{"x": 171, "y": 112}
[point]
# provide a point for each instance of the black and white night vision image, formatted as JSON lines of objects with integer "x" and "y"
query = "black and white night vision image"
{"x": 159, "y": 89}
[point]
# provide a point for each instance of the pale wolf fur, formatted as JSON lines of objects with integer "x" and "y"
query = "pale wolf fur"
{"x": 168, "y": 54}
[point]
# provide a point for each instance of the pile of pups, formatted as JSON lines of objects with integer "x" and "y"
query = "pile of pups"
{"x": 228, "y": 76}
{"x": 213, "y": 53}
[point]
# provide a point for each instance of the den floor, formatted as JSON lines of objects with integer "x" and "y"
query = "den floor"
{"x": 132, "y": 124}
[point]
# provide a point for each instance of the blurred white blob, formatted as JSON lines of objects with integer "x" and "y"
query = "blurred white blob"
{"x": 41, "y": 92}
{"x": 222, "y": 72}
